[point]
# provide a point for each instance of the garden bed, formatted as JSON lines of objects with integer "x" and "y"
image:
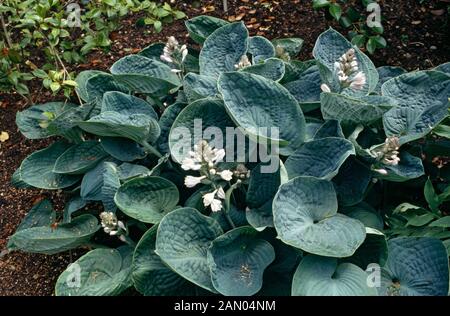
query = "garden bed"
{"x": 417, "y": 36}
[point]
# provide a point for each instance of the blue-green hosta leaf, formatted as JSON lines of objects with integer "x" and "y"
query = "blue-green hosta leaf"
{"x": 331, "y": 128}
{"x": 415, "y": 267}
{"x": 154, "y": 51}
{"x": 291, "y": 45}
{"x": 79, "y": 158}
{"x": 366, "y": 215}
{"x": 122, "y": 148}
{"x": 100, "y": 83}
{"x": 319, "y": 158}
{"x": 351, "y": 110}
{"x": 145, "y": 75}
{"x": 331, "y": 45}
{"x": 66, "y": 123}
{"x": 182, "y": 242}
{"x": 199, "y": 87}
{"x": 17, "y": 182}
{"x": 33, "y": 122}
{"x": 237, "y": 261}
{"x": 91, "y": 185}
{"x": 129, "y": 170}
{"x": 260, "y": 217}
{"x": 50, "y": 240}
{"x": 223, "y": 49}
{"x": 445, "y": 68}
{"x": 295, "y": 69}
{"x": 260, "y": 48}
{"x": 165, "y": 123}
{"x": 319, "y": 276}
{"x": 124, "y": 103}
{"x": 199, "y": 114}
{"x": 258, "y": 104}
{"x": 151, "y": 276}
{"x": 305, "y": 216}
{"x": 41, "y": 214}
{"x": 423, "y": 103}
{"x": 272, "y": 68}
{"x": 111, "y": 183}
{"x": 311, "y": 129}
{"x": 74, "y": 204}
{"x": 442, "y": 222}
{"x": 263, "y": 185}
{"x": 387, "y": 72}
{"x": 37, "y": 169}
{"x": 306, "y": 89}
{"x": 374, "y": 250}
{"x": 100, "y": 272}
{"x": 147, "y": 199}
{"x": 409, "y": 167}
{"x": 202, "y": 26}
{"x": 137, "y": 127}
{"x": 351, "y": 182}
{"x": 81, "y": 81}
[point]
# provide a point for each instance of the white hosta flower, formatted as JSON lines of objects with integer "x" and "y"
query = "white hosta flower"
{"x": 209, "y": 199}
{"x": 192, "y": 161}
{"x": 191, "y": 181}
{"x": 184, "y": 52}
{"x": 325, "y": 88}
{"x": 216, "y": 205}
{"x": 227, "y": 175}
{"x": 110, "y": 224}
{"x": 388, "y": 152}
{"x": 381, "y": 171}
{"x": 221, "y": 193}
{"x": 166, "y": 58}
{"x": 358, "y": 81}
{"x": 175, "y": 71}
{"x": 243, "y": 62}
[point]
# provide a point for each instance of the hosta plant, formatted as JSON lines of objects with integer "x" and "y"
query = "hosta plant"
{"x": 238, "y": 170}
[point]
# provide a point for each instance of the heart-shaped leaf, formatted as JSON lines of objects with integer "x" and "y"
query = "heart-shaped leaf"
{"x": 272, "y": 69}
{"x": 195, "y": 118}
{"x": 182, "y": 242}
{"x": 320, "y": 158}
{"x": 319, "y": 276}
{"x": 422, "y": 98}
{"x": 147, "y": 199}
{"x": 237, "y": 261}
{"x": 260, "y": 48}
{"x": 100, "y": 272}
{"x": 258, "y": 105}
{"x": 415, "y": 267}
{"x": 151, "y": 276}
{"x": 329, "y": 47}
{"x": 223, "y": 49}
{"x": 305, "y": 216}
{"x": 202, "y": 26}
{"x": 122, "y": 148}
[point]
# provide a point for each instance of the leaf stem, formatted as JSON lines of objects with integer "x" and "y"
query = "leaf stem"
{"x": 150, "y": 149}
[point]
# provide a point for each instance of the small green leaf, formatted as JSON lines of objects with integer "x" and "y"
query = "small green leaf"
{"x": 335, "y": 11}
{"x": 359, "y": 40}
{"x": 431, "y": 197}
{"x": 371, "y": 45}
{"x": 320, "y": 3}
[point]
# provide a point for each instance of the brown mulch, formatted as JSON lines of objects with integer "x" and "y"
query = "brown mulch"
{"x": 417, "y": 36}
